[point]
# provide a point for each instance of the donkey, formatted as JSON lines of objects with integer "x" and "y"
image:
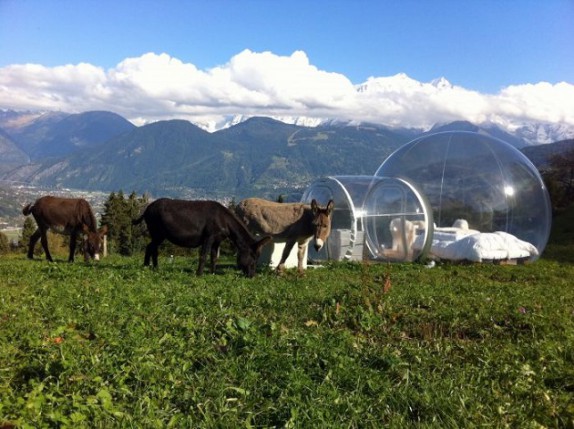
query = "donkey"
{"x": 288, "y": 222}
{"x": 68, "y": 216}
{"x": 199, "y": 223}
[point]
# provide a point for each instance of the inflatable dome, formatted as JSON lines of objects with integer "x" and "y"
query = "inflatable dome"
{"x": 488, "y": 200}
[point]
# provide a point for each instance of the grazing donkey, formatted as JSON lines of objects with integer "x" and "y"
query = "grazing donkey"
{"x": 288, "y": 222}
{"x": 68, "y": 216}
{"x": 199, "y": 223}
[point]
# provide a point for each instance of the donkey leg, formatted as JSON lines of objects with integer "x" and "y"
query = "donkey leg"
{"x": 206, "y": 246}
{"x": 214, "y": 255}
{"x": 288, "y": 247}
{"x": 44, "y": 241}
{"x": 151, "y": 252}
{"x": 301, "y": 247}
{"x": 33, "y": 240}
{"x": 154, "y": 253}
{"x": 202, "y": 256}
{"x": 147, "y": 254}
{"x": 73, "y": 239}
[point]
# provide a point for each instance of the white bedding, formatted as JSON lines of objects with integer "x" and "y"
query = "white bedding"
{"x": 463, "y": 244}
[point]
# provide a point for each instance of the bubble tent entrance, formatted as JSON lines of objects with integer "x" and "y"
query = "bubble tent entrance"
{"x": 453, "y": 195}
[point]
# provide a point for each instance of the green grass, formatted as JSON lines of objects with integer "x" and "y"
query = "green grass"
{"x": 116, "y": 345}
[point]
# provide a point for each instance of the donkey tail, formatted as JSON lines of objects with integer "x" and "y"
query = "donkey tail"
{"x": 27, "y": 209}
{"x": 138, "y": 220}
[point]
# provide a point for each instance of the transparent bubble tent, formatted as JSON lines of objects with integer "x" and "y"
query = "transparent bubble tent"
{"x": 448, "y": 196}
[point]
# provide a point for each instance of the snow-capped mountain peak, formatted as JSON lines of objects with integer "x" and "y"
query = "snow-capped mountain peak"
{"x": 542, "y": 133}
{"x": 441, "y": 83}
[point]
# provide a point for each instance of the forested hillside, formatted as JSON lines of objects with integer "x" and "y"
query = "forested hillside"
{"x": 101, "y": 151}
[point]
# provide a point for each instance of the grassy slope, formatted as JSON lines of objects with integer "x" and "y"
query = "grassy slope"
{"x": 115, "y": 345}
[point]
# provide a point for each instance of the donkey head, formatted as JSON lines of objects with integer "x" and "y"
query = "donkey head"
{"x": 247, "y": 257}
{"x": 93, "y": 242}
{"x": 321, "y": 222}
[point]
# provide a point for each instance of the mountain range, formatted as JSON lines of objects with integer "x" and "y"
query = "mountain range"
{"x": 255, "y": 156}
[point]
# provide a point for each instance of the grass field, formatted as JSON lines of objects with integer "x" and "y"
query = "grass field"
{"x": 348, "y": 345}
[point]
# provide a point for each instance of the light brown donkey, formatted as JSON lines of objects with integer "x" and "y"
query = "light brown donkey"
{"x": 288, "y": 222}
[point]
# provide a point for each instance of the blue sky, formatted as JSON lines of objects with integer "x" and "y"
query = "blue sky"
{"x": 482, "y": 46}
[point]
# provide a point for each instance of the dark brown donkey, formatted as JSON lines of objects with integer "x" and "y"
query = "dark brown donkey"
{"x": 199, "y": 223}
{"x": 288, "y": 222}
{"x": 67, "y": 216}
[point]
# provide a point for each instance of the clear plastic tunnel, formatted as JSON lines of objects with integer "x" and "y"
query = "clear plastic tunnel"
{"x": 374, "y": 218}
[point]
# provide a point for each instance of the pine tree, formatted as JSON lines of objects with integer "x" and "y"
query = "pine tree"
{"x": 28, "y": 229}
{"x": 136, "y": 207}
{"x": 119, "y": 211}
{"x": 112, "y": 217}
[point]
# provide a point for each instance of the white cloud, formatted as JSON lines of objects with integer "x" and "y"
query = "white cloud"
{"x": 32, "y": 86}
{"x": 288, "y": 82}
{"x": 542, "y": 101}
{"x": 157, "y": 86}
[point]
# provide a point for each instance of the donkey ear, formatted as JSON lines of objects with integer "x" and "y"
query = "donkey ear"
{"x": 330, "y": 207}
{"x": 314, "y": 206}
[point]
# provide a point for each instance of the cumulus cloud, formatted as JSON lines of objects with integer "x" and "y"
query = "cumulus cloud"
{"x": 33, "y": 86}
{"x": 543, "y": 101}
{"x": 157, "y": 86}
